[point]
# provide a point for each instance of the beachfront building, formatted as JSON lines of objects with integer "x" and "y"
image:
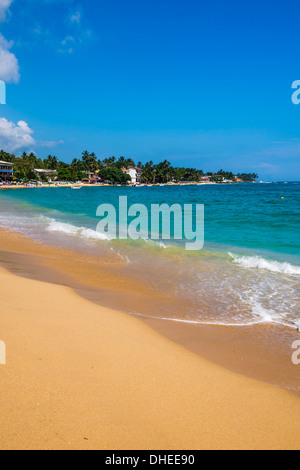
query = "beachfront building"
{"x": 6, "y": 171}
{"x": 238, "y": 180}
{"x": 206, "y": 179}
{"x": 135, "y": 174}
{"x": 50, "y": 174}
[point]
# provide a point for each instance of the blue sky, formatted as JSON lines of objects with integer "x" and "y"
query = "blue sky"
{"x": 203, "y": 84}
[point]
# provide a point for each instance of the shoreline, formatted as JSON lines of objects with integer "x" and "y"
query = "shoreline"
{"x": 80, "y": 376}
{"x": 250, "y": 351}
{"x": 52, "y": 186}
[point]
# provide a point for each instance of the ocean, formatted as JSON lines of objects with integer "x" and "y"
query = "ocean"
{"x": 247, "y": 273}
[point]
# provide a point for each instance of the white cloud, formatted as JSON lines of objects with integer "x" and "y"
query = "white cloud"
{"x": 4, "y": 6}
{"x": 66, "y": 43}
{"x": 49, "y": 144}
{"x": 75, "y": 18}
{"x": 15, "y": 136}
{"x": 268, "y": 166}
{"x": 19, "y": 136}
{"x": 76, "y": 34}
{"x": 9, "y": 67}
{"x": 68, "y": 39}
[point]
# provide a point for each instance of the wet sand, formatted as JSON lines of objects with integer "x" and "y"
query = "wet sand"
{"x": 81, "y": 376}
{"x": 251, "y": 351}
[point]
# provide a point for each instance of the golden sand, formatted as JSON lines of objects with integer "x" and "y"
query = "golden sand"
{"x": 262, "y": 352}
{"x": 80, "y": 376}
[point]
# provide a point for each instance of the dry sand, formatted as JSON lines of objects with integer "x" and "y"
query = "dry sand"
{"x": 80, "y": 376}
{"x": 262, "y": 352}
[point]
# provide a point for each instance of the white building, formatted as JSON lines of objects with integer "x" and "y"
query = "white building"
{"x": 48, "y": 173}
{"x": 6, "y": 171}
{"x": 206, "y": 179}
{"x": 134, "y": 173}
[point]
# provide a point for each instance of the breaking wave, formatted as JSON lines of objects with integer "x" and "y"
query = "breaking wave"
{"x": 70, "y": 229}
{"x": 252, "y": 262}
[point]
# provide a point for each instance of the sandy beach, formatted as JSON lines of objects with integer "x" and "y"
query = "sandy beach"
{"x": 59, "y": 184}
{"x": 250, "y": 351}
{"x": 149, "y": 228}
{"x": 82, "y": 376}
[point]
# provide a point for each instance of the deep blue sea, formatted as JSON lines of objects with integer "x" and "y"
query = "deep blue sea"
{"x": 248, "y": 271}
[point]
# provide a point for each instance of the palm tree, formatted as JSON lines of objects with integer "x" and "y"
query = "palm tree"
{"x": 32, "y": 160}
{"x": 149, "y": 172}
{"x": 51, "y": 163}
{"x": 93, "y": 162}
{"x": 109, "y": 161}
{"x": 121, "y": 162}
{"x": 85, "y": 158}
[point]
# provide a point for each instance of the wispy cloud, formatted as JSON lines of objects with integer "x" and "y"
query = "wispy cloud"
{"x": 67, "y": 40}
{"x": 9, "y": 67}
{"x": 282, "y": 150}
{"x": 49, "y": 143}
{"x": 267, "y": 166}
{"x": 276, "y": 159}
{"x": 76, "y": 17}
{"x": 67, "y": 45}
{"x": 74, "y": 26}
{"x": 4, "y": 6}
{"x": 80, "y": 32}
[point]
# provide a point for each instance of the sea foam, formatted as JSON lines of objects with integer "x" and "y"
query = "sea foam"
{"x": 69, "y": 229}
{"x": 258, "y": 262}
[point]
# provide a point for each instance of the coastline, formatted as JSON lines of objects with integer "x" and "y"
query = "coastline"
{"x": 250, "y": 351}
{"x": 81, "y": 376}
{"x": 5, "y": 187}
{"x": 149, "y": 229}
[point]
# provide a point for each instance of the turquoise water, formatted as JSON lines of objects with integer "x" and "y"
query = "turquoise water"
{"x": 248, "y": 271}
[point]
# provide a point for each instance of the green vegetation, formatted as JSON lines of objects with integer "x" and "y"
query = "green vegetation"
{"x": 247, "y": 177}
{"x": 110, "y": 169}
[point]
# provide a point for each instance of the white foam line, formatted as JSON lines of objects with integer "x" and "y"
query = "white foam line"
{"x": 252, "y": 262}
{"x": 194, "y": 322}
{"x": 70, "y": 229}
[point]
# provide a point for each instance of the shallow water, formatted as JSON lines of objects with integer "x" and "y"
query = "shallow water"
{"x": 247, "y": 273}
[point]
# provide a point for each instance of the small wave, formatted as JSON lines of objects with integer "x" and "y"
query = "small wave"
{"x": 199, "y": 322}
{"x": 297, "y": 323}
{"x": 55, "y": 226}
{"x": 266, "y": 319}
{"x": 154, "y": 243}
{"x": 70, "y": 229}
{"x": 267, "y": 315}
{"x": 258, "y": 262}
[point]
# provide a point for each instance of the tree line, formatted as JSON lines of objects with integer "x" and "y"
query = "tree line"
{"x": 109, "y": 169}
